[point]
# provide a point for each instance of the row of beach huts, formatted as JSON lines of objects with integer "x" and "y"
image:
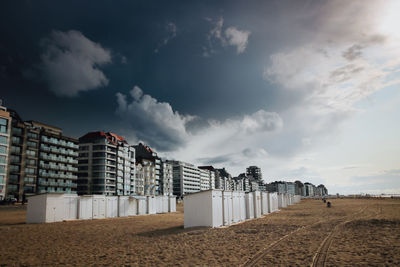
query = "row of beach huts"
{"x": 53, "y": 207}
{"x": 216, "y": 208}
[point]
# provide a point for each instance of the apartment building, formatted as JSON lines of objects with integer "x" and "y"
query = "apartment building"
{"x": 186, "y": 178}
{"x": 204, "y": 179}
{"x": 41, "y": 159}
{"x": 5, "y": 129}
{"x": 144, "y": 152}
{"x": 139, "y": 179}
{"x": 254, "y": 172}
{"x": 223, "y": 179}
{"x": 149, "y": 177}
{"x": 211, "y": 177}
{"x": 106, "y": 165}
{"x": 167, "y": 178}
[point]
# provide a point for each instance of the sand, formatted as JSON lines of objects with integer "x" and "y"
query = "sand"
{"x": 352, "y": 232}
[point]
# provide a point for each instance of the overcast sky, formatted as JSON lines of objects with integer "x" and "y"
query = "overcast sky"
{"x": 306, "y": 90}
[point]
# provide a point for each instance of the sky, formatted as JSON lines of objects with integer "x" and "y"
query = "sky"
{"x": 304, "y": 89}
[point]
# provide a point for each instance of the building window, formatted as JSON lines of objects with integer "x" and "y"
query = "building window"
{"x": 3, "y": 159}
{"x": 2, "y": 180}
{"x": 17, "y": 131}
{"x": 16, "y": 140}
{"x": 29, "y": 170}
{"x": 83, "y": 161}
{"x": 15, "y": 149}
{"x": 3, "y": 140}
{"x": 32, "y": 135}
{"x": 31, "y": 162}
{"x": 3, "y": 125}
{"x": 12, "y": 188}
{"x": 14, "y": 168}
{"x": 31, "y": 144}
{"x": 83, "y": 148}
{"x": 83, "y": 155}
{"x": 2, "y": 169}
{"x": 3, "y": 149}
{"x": 13, "y": 178}
{"x": 31, "y": 153}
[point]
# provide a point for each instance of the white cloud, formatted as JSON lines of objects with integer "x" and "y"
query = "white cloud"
{"x": 160, "y": 126}
{"x": 153, "y": 121}
{"x": 70, "y": 63}
{"x": 237, "y": 38}
{"x": 230, "y": 37}
{"x": 344, "y": 60}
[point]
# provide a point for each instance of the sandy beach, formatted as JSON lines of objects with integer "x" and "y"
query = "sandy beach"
{"x": 352, "y": 232}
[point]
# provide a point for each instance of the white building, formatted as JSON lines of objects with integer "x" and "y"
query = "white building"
{"x": 205, "y": 176}
{"x": 149, "y": 175}
{"x": 166, "y": 178}
{"x": 106, "y": 165}
{"x": 186, "y": 178}
{"x": 139, "y": 179}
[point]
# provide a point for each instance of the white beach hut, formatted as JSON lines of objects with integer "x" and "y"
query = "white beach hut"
{"x": 227, "y": 207}
{"x": 71, "y": 204}
{"x": 257, "y": 204}
{"x": 85, "y": 207}
{"x": 111, "y": 206}
{"x": 264, "y": 203}
{"x": 158, "y": 203}
{"x": 151, "y": 205}
{"x": 172, "y": 204}
{"x": 165, "y": 204}
{"x": 123, "y": 206}
{"x": 203, "y": 208}
{"x": 132, "y": 206}
{"x": 242, "y": 205}
{"x": 249, "y": 206}
{"x": 141, "y": 205}
{"x": 99, "y": 206}
{"x": 273, "y": 202}
{"x": 45, "y": 208}
{"x": 235, "y": 206}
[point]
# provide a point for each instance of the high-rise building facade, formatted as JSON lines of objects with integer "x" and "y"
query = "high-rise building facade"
{"x": 144, "y": 152}
{"x": 167, "y": 178}
{"x": 106, "y": 165}
{"x": 255, "y": 172}
{"x": 204, "y": 179}
{"x": 41, "y": 159}
{"x": 186, "y": 178}
{"x": 5, "y": 129}
{"x": 149, "y": 176}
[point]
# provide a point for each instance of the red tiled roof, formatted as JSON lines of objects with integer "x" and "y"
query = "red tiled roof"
{"x": 111, "y": 137}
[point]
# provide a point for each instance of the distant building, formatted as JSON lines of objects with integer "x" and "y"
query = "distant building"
{"x": 166, "y": 178}
{"x": 106, "y": 165}
{"x": 299, "y": 188}
{"x": 5, "y": 131}
{"x": 254, "y": 172}
{"x": 290, "y": 188}
{"x": 211, "y": 176}
{"x": 139, "y": 179}
{"x": 309, "y": 189}
{"x": 149, "y": 174}
{"x": 144, "y": 152}
{"x": 186, "y": 178}
{"x": 223, "y": 179}
{"x": 321, "y": 190}
{"x": 204, "y": 179}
